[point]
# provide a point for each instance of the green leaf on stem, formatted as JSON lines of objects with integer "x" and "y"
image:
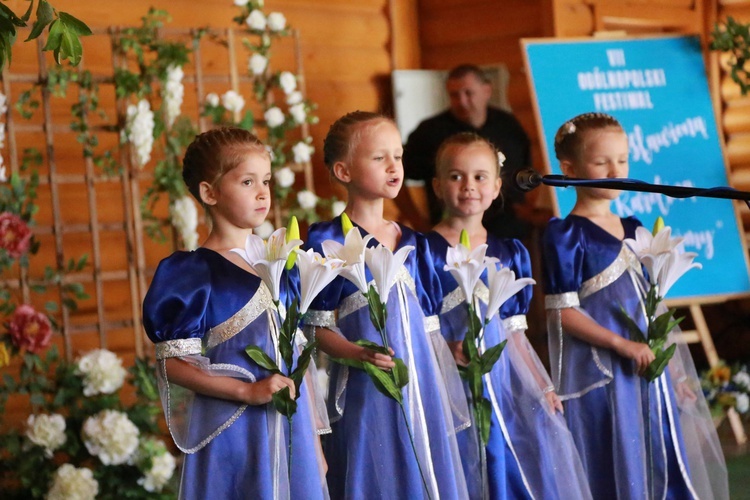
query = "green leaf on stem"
{"x": 483, "y": 417}
{"x": 373, "y": 346}
{"x": 490, "y": 357}
{"x": 303, "y": 361}
{"x": 283, "y": 402}
{"x": 657, "y": 366}
{"x": 348, "y": 362}
{"x": 44, "y": 15}
{"x": 378, "y": 312}
{"x": 635, "y": 331}
{"x": 400, "y": 373}
{"x": 383, "y": 382}
{"x": 262, "y": 359}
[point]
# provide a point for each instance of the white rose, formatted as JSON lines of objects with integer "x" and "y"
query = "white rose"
{"x": 742, "y": 378}
{"x": 276, "y": 21}
{"x": 256, "y": 20}
{"x": 337, "y": 208}
{"x": 298, "y": 112}
{"x": 68, "y": 483}
{"x": 241, "y": 3}
{"x": 307, "y": 199}
{"x": 102, "y": 372}
{"x": 284, "y": 177}
{"x": 232, "y": 101}
{"x": 302, "y": 152}
{"x": 287, "y": 82}
{"x": 742, "y": 402}
{"x": 500, "y": 158}
{"x": 294, "y": 98}
{"x": 111, "y": 436}
{"x": 264, "y": 230}
{"x": 184, "y": 217}
{"x": 47, "y": 431}
{"x": 212, "y": 99}
{"x": 257, "y": 64}
{"x": 274, "y": 117}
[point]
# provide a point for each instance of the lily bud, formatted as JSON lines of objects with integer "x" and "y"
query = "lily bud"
{"x": 292, "y": 233}
{"x": 658, "y": 225}
{"x": 464, "y": 239}
{"x": 346, "y": 223}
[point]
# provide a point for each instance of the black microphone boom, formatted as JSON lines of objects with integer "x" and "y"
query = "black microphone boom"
{"x": 528, "y": 179}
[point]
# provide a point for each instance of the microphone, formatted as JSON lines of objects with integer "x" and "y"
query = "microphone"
{"x": 527, "y": 179}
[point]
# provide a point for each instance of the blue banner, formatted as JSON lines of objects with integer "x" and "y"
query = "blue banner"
{"x": 657, "y": 89}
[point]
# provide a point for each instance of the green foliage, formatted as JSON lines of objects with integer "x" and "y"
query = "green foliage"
{"x": 734, "y": 37}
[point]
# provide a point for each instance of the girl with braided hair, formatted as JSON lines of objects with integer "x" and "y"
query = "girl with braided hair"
{"x": 636, "y": 439}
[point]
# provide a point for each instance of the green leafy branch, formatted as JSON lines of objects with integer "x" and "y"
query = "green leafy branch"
{"x": 734, "y": 37}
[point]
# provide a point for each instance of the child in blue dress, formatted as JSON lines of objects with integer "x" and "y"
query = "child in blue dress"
{"x": 369, "y": 453}
{"x": 636, "y": 439}
{"x": 530, "y": 453}
{"x": 202, "y": 309}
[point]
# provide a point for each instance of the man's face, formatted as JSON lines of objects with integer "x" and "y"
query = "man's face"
{"x": 468, "y": 98}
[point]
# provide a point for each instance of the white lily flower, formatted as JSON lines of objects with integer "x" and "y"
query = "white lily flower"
{"x": 384, "y": 265}
{"x": 315, "y": 273}
{"x": 268, "y": 258}
{"x": 669, "y": 267}
{"x": 503, "y": 285}
{"x": 352, "y": 253}
{"x": 647, "y": 244}
{"x": 466, "y": 267}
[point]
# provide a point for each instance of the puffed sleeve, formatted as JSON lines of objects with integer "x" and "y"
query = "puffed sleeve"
{"x": 429, "y": 290}
{"x": 520, "y": 264}
{"x": 562, "y": 254}
{"x": 175, "y": 305}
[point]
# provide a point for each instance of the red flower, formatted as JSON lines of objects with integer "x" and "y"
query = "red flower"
{"x": 15, "y": 235}
{"x": 29, "y": 329}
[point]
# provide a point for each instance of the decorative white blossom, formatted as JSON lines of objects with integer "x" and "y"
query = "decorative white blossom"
{"x": 338, "y": 207}
{"x": 384, "y": 265}
{"x": 742, "y": 378}
{"x": 302, "y": 152}
{"x": 212, "y": 99}
{"x": 294, "y": 98}
{"x": 110, "y": 436}
{"x": 276, "y": 21}
{"x": 315, "y": 273}
{"x": 102, "y": 372}
{"x": 232, "y": 101}
{"x": 466, "y": 266}
{"x": 241, "y": 3}
{"x": 184, "y": 217}
{"x": 173, "y": 93}
{"x": 257, "y": 64}
{"x": 256, "y": 20}
{"x": 71, "y": 483}
{"x": 2, "y": 135}
{"x": 742, "y": 402}
{"x": 268, "y": 258}
{"x": 264, "y": 230}
{"x": 500, "y": 158}
{"x": 284, "y": 177}
{"x": 298, "y": 112}
{"x": 140, "y": 130}
{"x": 274, "y": 117}
{"x": 503, "y": 285}
{"x": 3, "y": 175}
{"x": 47, "y": 431}
{"x": 162, "y": 464}
{"x": 287, "y": 82}
{"x": 307, "y": 199}
{"x": 3, "y": 103}
{"x": 352, "y": 253}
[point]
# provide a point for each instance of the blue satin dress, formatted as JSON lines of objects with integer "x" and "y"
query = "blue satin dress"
{"x": 626, "y": 429}
{"x": 530, "y": 453}
{"x": 369, "y": 454}
{"x": 200, "y": 305}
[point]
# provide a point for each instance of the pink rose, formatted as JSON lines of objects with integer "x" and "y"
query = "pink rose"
{"x": 15, "y": 235}
{"x": 29, "y": 329}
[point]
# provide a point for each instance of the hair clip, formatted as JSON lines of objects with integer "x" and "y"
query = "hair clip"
{"x": 269, "y": 149}
{"x": 500, "y": 158}
{"x": 569, "y": 128}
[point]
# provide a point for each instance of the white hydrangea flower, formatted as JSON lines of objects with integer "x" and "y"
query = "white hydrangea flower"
{"x": 742, "y": 402}
{"x": 241, "y": 3}
{"x": 302, "y": 152}
{"x": 184, "y": 217}
{"x": 3, "y": 103}
{"x": 298, "y": 112}
{"x": 47, "y": 431}
{"x": 102, "y": 372}
{"x": 111, "y": 436}
{"x": 140, "y": 130}
{"x": 264, "y": 230}
{"x": 307, "y": 199}
{"x": 2, "y": 135}
{"x": 284, "y": 177}
{"x": 256, "y": 20}
{"x": 294, "y": 98}
{"x": 174, "y": 91}
{"x": 742, "y": 378}
{"x": 212, "y": 99}
{"x": 162, "y": 464}
{"x": 232, "y": 101}
{"x": 257, "y": 64}
{"x": 337, "y": 208}
{"x": 276, "y": 21}
{"x": 287, "y": 82}
{"x": 274, "y": 117}
{"x": 71, "y": 483}
{"x": 3, "y": 175}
